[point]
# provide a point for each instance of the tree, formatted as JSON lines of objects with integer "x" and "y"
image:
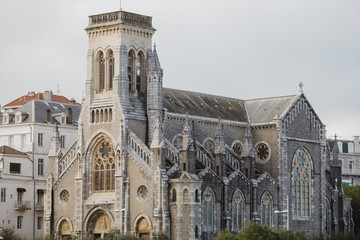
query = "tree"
{"x": 354, "y": 193}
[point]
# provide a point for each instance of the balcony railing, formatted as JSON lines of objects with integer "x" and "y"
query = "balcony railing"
{"x": 22, "y": 205}
{"x": 39, "y": 206}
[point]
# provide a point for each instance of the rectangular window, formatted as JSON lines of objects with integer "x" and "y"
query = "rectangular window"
{"x": 39, "y": 222}
{"x": 23, "y": 142}
{"x": 19, "y": 222}
{"x": 62, "y": 141}
{"x": 15, "y": 168}
{"x": 41, "y": 167}
{"x": 3, "y": 195}
{"x": 40, "y": 139}
{"x": 351, "y": 166}
{"x": 19, "y": 197}
{"x": 11, "y": 141}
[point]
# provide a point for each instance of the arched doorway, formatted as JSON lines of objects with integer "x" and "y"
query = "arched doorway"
{"x": 143, "y": 228}
{"x": 65, "y": 230}
{"x": 99, "y": 225}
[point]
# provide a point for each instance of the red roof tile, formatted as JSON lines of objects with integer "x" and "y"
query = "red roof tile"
{"x": 40, "y": 96}
{"x": 11, "y": 151}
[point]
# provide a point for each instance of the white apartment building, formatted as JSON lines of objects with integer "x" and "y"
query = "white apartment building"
{"x": 26, "y": 127}
{"x": 349, "y": 155}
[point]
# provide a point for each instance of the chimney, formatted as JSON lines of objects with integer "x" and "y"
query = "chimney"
{"x": 356, "y": 144}
{"x": 68, "y": 115}
{"x": 30, "y": 94}
{"x": 72, "y": 101}
{"x": 48, "y": 95}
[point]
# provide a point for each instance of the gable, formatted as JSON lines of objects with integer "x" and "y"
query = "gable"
{"x": 301, "y": 121}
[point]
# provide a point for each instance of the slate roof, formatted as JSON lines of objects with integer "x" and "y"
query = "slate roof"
{"x": 265, "y": 110}
{"x": 10, "y": 151}
{"x": 205, "y": 105}
{"x": 35, "y": 111}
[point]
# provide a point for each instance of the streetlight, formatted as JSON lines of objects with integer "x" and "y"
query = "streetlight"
{"x": 285, "y": 211}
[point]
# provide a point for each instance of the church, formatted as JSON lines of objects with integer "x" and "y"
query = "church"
{"x": 149, "y": 159}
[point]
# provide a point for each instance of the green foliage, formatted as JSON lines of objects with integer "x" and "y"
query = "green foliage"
{"x": 226, "y": 235}
{"x": 256, "y": 232}
{"x": 9, "y": 234}
{"x": 354, "y": 193}
{"x": 160, "y": 236}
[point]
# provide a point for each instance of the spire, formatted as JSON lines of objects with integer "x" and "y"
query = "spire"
{"x": 158, "y": 136}
{"x": 335, "y": 152}
{"x": 56, "y": 134}
{"x": 154, "y": 65}
{"x": 248, "y": 144}
{"x": 186, "y": 133}
{"x": 219, "y": 138}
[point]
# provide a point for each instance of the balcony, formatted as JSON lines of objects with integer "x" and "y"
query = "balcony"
{"x": 22, "y": 205}
{"x": 39, "y": 206}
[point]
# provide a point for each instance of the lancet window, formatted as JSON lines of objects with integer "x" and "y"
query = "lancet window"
{"x": 266, "y": 209}
{"x": 301, "y": 183}
{"x": 131, "y": 58}
{"x": 101, "y": 71}
{"x": 238, "y": 211}
{"x": 208, "y": 210}
{"x": 111, "y": 68}
{"x": 104, "y": 167}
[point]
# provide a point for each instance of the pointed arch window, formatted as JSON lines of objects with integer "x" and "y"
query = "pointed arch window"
{"x": 209, "y": 145}
{"x": 327, "y": 217}
{"x": 131, "y": 58}
{"x": 301, "y": 183}
{"x": 266, "y": 209}
{"x": 237, "y": 211}
{"x": 111, "y": 69}
{"x": 139, "y": 70}
{"x": 173, "y": 199}
{"x": 101, "y": 71}
{"x": 104, "y": 167}
{"x": 186, "y": 196}
{"x": 208, "y": 210}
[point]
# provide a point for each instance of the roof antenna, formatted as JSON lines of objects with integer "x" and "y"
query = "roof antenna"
{"x": 120, "y": 6}
{"x": 58, "y": 89}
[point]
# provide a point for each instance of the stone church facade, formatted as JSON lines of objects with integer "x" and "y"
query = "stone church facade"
{"x": 150, "y": 159}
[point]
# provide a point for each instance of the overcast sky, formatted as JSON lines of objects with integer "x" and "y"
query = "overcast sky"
{"x": 236, "y": 48}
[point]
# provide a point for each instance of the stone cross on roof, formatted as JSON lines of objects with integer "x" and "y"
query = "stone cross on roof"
{"x": 301, "y": 87}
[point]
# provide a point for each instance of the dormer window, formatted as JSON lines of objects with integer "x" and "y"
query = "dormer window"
{"x": 47, "y": 115}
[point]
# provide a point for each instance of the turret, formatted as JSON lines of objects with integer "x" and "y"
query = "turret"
{"x": 55, "y": 153}
{"x": 219, "y": 166}
{"x": 154, "y": 94}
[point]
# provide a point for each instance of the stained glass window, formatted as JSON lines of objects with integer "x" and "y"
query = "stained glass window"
{"x": 104, "y": 167}
{"x": 262, "y": 152}
{"x": 237, "y": 211}
{"x": 266, "y": 210}
{"x": 208, "y": 210}
{"x": 301, "y": 182}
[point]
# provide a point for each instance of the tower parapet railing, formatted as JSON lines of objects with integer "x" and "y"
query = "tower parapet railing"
{"x": 140, "y": 150}
{"x": 67, "y": 158}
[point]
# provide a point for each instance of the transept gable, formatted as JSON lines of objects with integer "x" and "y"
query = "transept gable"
{"x": 299, "y": 106}
{"x": 238, "y": 173}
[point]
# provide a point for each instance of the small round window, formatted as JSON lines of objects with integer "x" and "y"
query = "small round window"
{"x": 209, "y": 146}
{"x": 65, "y": 196}
{"x": 178, "y": 142}
{"x": 237, "y": 148}
{"x": 262, "y": 152}
{"x": 142, "y": 192}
